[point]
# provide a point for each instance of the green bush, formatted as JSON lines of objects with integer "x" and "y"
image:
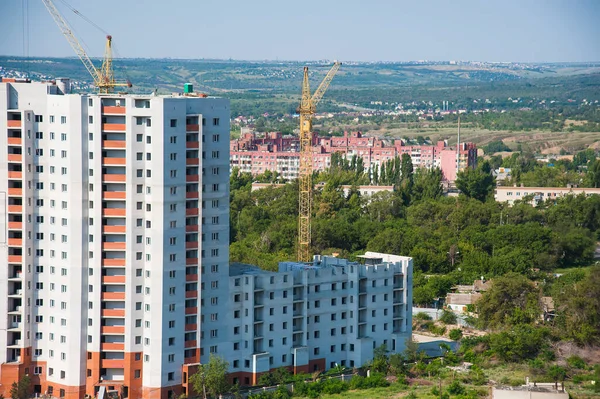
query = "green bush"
{"x": 576, "y": 362}
{"x": 333, "y": 386}
{"x": 456, "y": 388}
{"x": 422, "y": 316}
{"x": 437, "y": 330}
{"x": 279, "y": 393}
{"x": 448, "y": 317}
{"x": 455, "y": 334}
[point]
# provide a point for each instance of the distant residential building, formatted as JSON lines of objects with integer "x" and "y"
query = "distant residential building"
{"x": 539, "y": 194}
{"x": 465, "y": 295}
{"x": 278, "y": 153}
{"x": 314, "y": 316}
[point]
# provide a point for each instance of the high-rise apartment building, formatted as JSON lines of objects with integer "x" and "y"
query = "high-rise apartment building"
{"x": 114, "y": 218}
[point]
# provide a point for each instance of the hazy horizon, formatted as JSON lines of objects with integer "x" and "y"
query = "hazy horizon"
{"x": 527, "y": 31}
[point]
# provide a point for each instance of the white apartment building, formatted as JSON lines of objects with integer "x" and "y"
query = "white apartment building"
{"x": 114, "y": 213}
{"x": 309, "y": 317}
{"x": 537, "y": 195}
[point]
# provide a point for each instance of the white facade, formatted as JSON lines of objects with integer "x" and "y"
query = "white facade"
{"x": 538, "y": 194}
{"x": 115, "y": 212}
{"x": 316, "y": 316}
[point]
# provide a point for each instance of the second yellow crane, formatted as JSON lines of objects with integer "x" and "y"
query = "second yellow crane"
{"x": 307, "y": 110}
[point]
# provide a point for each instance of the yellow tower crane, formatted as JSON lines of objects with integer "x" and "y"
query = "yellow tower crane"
{"x": 104, "y": 78}
{"x": 307, "y": 110}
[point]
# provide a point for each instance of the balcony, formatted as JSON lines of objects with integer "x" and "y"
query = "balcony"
{"x": 15, "y": 225}
{"x": 114, "y": 161}
{"x": 191, "y": 277}
{"x": 12, "y": 124}
{"x": 114, "y": 178}
{"x": 112, "y": 296}
{"x": 192, "y": 212}
{"x": 190, "y": 360}
{"x": 113, "y": 127}
{"x": 14, "y": 326}
{"x": 191, "y": 327}
{"x": 15, "y": 175}
{"x": 16, "y": 157}
{"x": 113, "y": 143}
{"x": 191, "y": 245}
{"x": 192, "y": 178}
{"x": 16, "y": 275}
{"x": 15, "y": 209}
{"x": 16, "y": 309}
{"x": 15, "y": 242}
{"x": 192, "y": 127}
{"x": 192, "y": 144}
{"x": 15, "y": 258}
{"x": 113, "y": 279}
{"x": 15, "y": 141}
{"x": 188, "y": 161}
{"x": 112, "y": 346}
{"x": 114, "y": 229}
{"x": 192, "y": 195}
{"x": 191, "y": 344}
{"x": 119, "y": 212}
{"x": 113, "y": 246}
{"x": 106, "y": 109}
{"x": 191, "y": 261}
{"x": 112, "y": 313}
{"x": 15, "y": 192}
{"x": 112, "y": 330}
{"x": 191, "y": 228}
{"x": 17, "y": 292}
{"x": 117, "y": 195}
{"x": 113, "y": 262}
{"x": 112, "y": 363}
{"x": 192, "y": 310}
{"x": 191, "y": 294}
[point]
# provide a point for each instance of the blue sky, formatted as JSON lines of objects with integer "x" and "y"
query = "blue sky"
{"x": 359, "y": 30}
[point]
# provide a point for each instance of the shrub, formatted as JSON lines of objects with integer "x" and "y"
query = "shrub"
{"x": 422, "y": 316}
{"x": 455, "y": 334}
{"x": 576, "y": 362}
{"x": 448, "y": 317}
{"x": 456, "y": 388}
{"x": 411, "y": 395}
{"x": 437, "y": 330}
{"x": 333, "y": 386}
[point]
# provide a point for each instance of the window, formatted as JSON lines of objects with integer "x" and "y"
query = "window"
{"x": 173, "y": 122}
{"x": 215, "y": 121}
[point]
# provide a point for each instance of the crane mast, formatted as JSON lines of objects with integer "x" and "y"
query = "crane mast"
{"x": 104, "y": 77}
{"x": 307, "y": 110}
